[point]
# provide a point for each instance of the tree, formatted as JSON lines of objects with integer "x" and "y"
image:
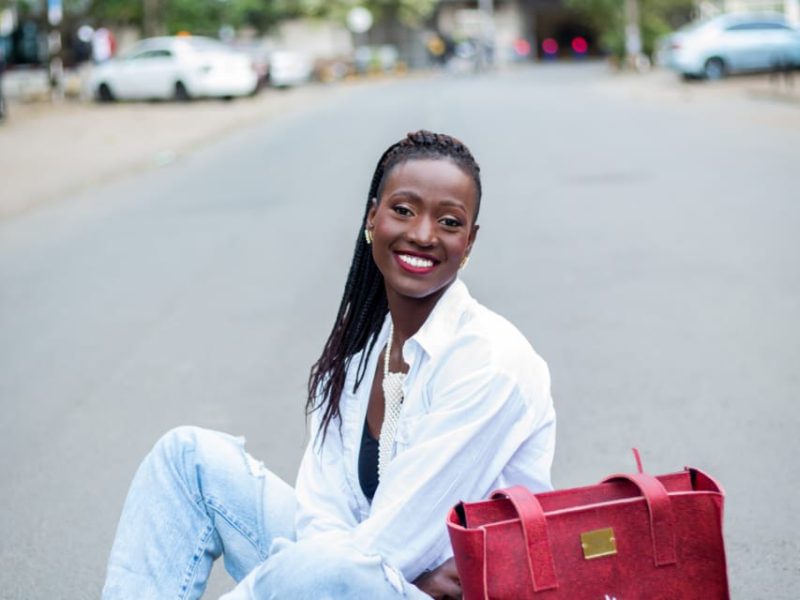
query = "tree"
{"x": 657, "y": 18}
{"x": 207, "y": 16}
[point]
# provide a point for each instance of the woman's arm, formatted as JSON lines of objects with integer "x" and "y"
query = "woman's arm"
{"x": 324, "y": 503}
{"x": 477, "y": 422}
{"x": 442, "y": 583}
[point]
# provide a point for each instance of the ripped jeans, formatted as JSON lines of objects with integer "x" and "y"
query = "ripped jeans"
{"x": 198, "y": 495}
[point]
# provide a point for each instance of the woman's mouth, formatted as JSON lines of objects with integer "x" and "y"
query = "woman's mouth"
{"x": 415, "y": 264}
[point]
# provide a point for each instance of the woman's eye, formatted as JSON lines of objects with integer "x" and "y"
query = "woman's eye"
{"x": 450, "y": 222}
{"x": 402, "y": 210}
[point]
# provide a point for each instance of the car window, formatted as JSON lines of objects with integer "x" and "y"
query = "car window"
{"x": 151, "y": 54}
{"x": 756, "y": 26}
{"x": 776, "y": 26}
{"x": 132, "y": 53}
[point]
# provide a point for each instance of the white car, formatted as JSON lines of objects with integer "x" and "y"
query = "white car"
{"x": 732, "y": 43}
{"x": 288, "y": 68}
{"x": 181, "y": 68}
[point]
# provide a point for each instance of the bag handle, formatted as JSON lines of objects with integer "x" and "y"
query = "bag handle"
{"x": 534, "y": 532}
{"x": 659, "y": 506}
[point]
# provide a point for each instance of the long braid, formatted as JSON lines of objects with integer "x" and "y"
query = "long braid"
{"x": 363, "y": 307}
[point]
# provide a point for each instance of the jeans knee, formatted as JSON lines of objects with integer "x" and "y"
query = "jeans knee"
{"x": 187, "y": 450}
{"x": 178, "y": 441}
{"x": 175, "y": 442}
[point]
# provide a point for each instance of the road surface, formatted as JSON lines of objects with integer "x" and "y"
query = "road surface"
{"x": 644, "y": 242}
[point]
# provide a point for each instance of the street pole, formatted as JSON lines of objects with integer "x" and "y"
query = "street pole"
{"x": 487, "y": 43}
{"x": 55, "y": 66}
{"x": 152, "y": 18}
{"x": 633, "y": 35}
{"x": 8, "y": 22}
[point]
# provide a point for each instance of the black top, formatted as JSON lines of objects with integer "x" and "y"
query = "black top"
{"x": 368, "y": 463}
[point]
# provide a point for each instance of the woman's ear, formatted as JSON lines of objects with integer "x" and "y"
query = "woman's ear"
{"x": 371, "y": 213}
{"x": 473, "y": 234}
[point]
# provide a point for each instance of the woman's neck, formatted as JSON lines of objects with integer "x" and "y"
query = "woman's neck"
{"x": 408, "y": 314}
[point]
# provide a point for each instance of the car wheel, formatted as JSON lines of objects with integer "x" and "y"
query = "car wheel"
{"x": 181, "y": 93}
{"x": 104, "y": 93}
{"x": 714, "y": 69}
{"x": 781, "y": 64}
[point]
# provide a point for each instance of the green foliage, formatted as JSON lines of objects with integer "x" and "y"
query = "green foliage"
{"x": 607, "y": 17}
{"x": 410, "y": 12}
{"x": 260, "y": 14}
{"x": 197, "y": 16}
{"x": 206, "y": 16}
{"x": 194, "y": 16}
{"x": 116, "y": 12}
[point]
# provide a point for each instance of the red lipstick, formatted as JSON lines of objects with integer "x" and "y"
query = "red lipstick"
{"x": 417, "y": 269}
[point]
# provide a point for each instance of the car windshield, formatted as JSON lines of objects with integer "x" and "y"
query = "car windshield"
{"x": 135, "y": 51}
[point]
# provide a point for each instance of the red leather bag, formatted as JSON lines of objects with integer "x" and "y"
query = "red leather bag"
{"x": 633, "y": 536}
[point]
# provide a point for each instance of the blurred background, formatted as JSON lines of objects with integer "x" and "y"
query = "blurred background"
{"x": 52, "y": 45}
{"x": 182, "y": 183}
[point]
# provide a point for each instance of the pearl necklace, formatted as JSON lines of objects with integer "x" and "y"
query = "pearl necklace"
{"x": 393, "y": 400}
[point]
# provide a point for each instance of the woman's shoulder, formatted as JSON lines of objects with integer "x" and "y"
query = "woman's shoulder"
{"x": 488, "y": 357}
{"x": 468, "y": 337}
{"x": 496, "y": 342}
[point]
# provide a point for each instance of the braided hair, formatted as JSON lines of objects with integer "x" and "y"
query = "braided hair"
{"x": 363, "y": 306}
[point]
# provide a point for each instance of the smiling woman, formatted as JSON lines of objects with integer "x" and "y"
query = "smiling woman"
{"x": 421, "y": 398}
{"x": 424, "y": 224}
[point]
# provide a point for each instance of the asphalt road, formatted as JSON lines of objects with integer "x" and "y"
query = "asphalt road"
{"x": 646, "y": 245}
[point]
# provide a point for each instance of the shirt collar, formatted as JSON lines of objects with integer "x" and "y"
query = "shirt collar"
{"x": 440, "y": 326}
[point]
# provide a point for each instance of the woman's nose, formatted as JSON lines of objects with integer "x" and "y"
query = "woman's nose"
{"x": 422, "y": 231}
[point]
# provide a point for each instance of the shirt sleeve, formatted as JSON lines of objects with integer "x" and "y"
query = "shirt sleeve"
{"x": 457, "y": 450}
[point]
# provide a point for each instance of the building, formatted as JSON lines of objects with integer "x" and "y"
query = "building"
{"x": 522, "y": 28}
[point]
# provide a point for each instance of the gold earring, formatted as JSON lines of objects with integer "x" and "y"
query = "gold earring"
{"x": 464, "y": 261}
{"x": 368, "y": 236}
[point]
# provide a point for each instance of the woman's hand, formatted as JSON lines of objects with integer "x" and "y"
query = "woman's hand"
{"x": 442, "y": 583}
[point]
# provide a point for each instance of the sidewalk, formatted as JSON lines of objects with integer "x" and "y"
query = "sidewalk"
{"x": 743, "y": 91}
{"x": 50, "y": 150}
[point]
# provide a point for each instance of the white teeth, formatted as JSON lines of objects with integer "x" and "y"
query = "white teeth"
{"x": 416, "y": 261}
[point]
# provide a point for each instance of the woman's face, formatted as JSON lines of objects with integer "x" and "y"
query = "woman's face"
{"x": 423, "y": 226}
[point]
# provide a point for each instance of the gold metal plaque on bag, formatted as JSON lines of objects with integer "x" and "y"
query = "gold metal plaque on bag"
{"x": 597, "y": 543}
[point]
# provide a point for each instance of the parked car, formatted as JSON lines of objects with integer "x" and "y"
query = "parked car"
{"x": 180, "y": 67}
{"x": 732, "y": 43}
{"x": 288, "y": 68}
{"x": 258, "y": 53}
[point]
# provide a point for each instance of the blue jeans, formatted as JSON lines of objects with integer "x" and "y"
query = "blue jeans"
{"x": 198, "y": 495}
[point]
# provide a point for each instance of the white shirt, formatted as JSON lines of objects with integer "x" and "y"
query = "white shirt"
{"x": 477, "y": 415}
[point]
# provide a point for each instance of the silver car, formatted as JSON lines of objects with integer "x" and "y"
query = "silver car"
{"x": 732, "y": 43}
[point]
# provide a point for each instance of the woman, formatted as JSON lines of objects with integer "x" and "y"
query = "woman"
{"x": 422, "y": 397}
